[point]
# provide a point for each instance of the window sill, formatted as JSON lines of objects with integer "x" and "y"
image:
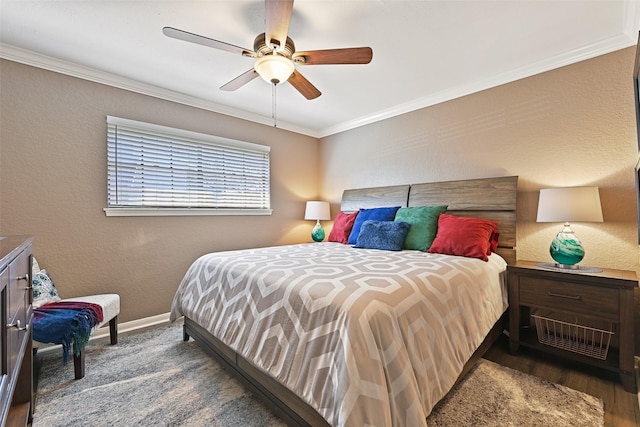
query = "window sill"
{"x": 183, "y": 212}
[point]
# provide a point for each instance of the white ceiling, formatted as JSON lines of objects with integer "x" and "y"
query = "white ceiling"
{"x": 424, "y": 52}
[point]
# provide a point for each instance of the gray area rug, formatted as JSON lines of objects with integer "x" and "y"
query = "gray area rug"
{"x": 493, "y": 395}
{"x": 154, "y": 378}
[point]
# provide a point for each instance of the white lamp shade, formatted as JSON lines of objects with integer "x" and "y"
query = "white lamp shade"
{"x": 569, "y": 204}
{"x": 274, "y": 68}
{"x": 317, "y": 210}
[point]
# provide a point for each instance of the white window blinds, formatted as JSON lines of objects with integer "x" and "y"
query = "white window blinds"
{"x": 151, "y": 166}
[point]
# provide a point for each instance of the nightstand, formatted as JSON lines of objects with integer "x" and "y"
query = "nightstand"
{"x": 605, "y": 298}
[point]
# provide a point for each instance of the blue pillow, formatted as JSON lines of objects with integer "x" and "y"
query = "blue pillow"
{"x": 387, "y": 235}
{"x": 376, "y": 214}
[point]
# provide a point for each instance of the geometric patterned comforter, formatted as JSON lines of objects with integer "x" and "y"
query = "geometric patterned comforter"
{"x": 363, "y": 336}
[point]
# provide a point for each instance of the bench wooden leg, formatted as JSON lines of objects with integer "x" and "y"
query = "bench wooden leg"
{"x": 113, "y": 330}
{"x": 78, "y": 361}
{"x": 78, "y": 365}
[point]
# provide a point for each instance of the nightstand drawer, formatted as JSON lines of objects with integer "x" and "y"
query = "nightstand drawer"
{"x": 585, "y": 299}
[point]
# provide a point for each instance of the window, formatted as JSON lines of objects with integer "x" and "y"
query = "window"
{"x": 157, "y": 170}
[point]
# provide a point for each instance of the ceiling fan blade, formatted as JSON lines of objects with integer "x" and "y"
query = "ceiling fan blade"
{"x": 352, "y": 55}
{"x": 240, "y": 81}
{"x": 205, "y": 41}
{"x": 278, "y": 15}
{"x": 304, "y": 86}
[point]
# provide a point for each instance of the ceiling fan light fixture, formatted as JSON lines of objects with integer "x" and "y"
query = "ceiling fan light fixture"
{"x": 274, "y": 68}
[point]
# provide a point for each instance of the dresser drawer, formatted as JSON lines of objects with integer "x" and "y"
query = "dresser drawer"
{"x": 19, "y": 291}
{"x": 577, "y": 298}
{"x": 14, "y": 342}
{"x": 16, "y": 379}
{"x": 18, "y": 315}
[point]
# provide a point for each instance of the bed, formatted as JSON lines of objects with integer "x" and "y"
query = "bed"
{"x": 331, "y": 334}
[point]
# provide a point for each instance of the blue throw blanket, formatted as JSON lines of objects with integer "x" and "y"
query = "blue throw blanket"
{"x": 68, "y": 323}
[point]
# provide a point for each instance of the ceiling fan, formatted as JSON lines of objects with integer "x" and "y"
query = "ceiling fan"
{"x": 275, "y": 54}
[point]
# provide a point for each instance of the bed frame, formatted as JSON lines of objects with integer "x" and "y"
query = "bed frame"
{"x": 490, "y": 198}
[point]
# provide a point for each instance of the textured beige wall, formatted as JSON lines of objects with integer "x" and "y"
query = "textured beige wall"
{"x": 53, "y": 185}
{"x": 571, "y": 126}
{"x": 568, "y": 127}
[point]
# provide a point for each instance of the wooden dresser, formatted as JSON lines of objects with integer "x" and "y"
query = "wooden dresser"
{"x": 16, "y": 358}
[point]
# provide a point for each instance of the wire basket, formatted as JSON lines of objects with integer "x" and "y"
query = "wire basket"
{"x": 586, "y": 340}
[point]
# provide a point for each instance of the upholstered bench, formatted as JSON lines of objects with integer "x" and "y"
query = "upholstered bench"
{"x": 110, "y": 304}
{"x": 44, "y": 292}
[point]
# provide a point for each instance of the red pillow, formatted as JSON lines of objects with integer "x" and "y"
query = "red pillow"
{"x": 494, "y": 240}
{"x": 342, "y": 227}
{"x": 463, "y": 236}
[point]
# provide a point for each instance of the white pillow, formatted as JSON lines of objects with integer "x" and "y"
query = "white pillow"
{"x": 35, "y": 267}
{"x": 44, "y": 291}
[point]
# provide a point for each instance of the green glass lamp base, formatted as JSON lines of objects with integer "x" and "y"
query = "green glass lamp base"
{"x": 317, "y": 234}
{"x": 566, "y": 249}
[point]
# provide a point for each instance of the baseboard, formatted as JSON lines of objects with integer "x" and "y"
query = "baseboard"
{"x": 137, "y": 325}
{"x": 125, "y": 328}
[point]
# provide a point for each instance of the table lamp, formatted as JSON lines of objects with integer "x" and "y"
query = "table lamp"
{"x": 568, "y": 204}
{"x": 317, "y": 211}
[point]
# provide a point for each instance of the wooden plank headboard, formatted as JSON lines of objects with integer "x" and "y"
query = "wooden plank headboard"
{"x": 489, "y": 198}
{"x": 375, "y": 197}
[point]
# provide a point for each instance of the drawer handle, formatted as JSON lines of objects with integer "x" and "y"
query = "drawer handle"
{"x": 25, "y": 277}
{"x": 17, "y": 326}
{"x": 573, "y": 297}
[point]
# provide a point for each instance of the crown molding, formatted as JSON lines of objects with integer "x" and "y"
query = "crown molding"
{"x": 626, "y": 39}
{"x": 621, "y": 41}
{"x": 37, "y": 60}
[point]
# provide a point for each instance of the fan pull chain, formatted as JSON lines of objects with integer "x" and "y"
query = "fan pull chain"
{"x": 273, "y": 106}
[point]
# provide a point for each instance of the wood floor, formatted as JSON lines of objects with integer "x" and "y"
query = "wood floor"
{"x": 621, "y": 407}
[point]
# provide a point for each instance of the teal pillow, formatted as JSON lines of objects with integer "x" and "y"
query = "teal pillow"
{"x": 424, "y": 225}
